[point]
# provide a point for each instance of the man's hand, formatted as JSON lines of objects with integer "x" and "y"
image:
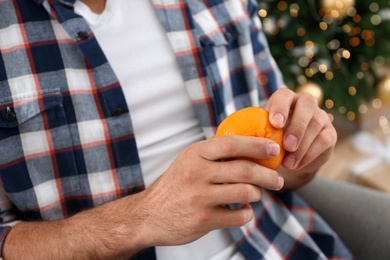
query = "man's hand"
{"x": 309, "y": 135}
{"x": 188, "y": 200}
{"x": 184, "y": 204}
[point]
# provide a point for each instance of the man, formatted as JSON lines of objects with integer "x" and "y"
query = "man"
{"x": 108, "y": 114}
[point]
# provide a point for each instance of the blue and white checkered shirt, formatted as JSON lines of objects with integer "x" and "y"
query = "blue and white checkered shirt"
{"x": 65, "y": 124}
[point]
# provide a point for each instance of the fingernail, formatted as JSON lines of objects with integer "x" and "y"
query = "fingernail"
{"x": 273, "y": 149}
{"x": 279, "y": 119}
{"x": 291, "y": 142}
{"x": 289, "y": 160}
{"x": 280, "y": 182}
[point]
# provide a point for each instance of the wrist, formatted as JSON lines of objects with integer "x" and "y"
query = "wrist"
{"x": 115, "y": 229}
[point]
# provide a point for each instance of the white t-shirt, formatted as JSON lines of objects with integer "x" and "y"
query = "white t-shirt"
{"x": 164, "y": 122}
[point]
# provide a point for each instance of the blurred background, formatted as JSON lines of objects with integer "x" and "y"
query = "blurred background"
{"x": 339, "y": 51}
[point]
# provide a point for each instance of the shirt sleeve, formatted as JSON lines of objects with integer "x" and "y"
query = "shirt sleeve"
{"x": 8, "y": 218}
{"x": 269, "y": 73}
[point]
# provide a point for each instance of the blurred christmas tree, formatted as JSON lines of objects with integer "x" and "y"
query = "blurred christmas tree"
{"x": 333, "y": 49}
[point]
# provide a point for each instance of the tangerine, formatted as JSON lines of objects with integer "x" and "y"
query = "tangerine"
{"x": 253, "y": 121}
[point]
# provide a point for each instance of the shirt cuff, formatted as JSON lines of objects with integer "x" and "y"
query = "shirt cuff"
{"x": 4, "y": 230}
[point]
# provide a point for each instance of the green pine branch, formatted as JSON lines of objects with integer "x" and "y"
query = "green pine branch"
{"x": 364, "y": 37}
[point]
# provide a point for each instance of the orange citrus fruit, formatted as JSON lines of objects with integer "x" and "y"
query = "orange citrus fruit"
{"x": 253, "y": 121}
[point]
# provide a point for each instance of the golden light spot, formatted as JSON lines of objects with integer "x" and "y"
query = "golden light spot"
{"x": 309, "y": 44}
{"x": 374, "y": 7}
{"x": 383, "y": 121}
{"x": 347, "y": 28}
{"x": 376, "y": 19}
{"x": 323, "y": 68}
{"x": 342, "y": 110}
{"x": 289, "y": 45}
{"x": 384, "y": 124}
{"x": 329, "y": 75}
{"x": 263, "y": 13}
{"x": 329, "y": 104}
{"x": 367, "y": 34}
{"x": 352, "y": 90}
{"x": 309, "y": 72}
{"x": 363, "y": 108}
{"x": 339, "y": 4}
{"x": 309, "y": 54}
{"x": 331, "y": 117}
{"x": 294, "y": 13}
{"x": 323, "y": 26}
{"x": 346, "y": 54}
{"x": 282, "y": 5}
{"x": 351, "y": 115}
{"x": 334, "y": 13}
{"x": 303, "y": 62}
{"x": 302, "y": 79}
{"x": 379, "y": 60}
{"x": 301, "y": 32}
{"x": 357, "y": 18}
{"x": 376, "y": 103}
{"x": 334, "y": 44}
{"x": 294, "y": 10}
{"x": 365, "y": 66}
{"x": 360, "y": 75}
{"x": 354, "y": 41}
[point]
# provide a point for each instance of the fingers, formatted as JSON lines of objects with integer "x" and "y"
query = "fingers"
{"x": 237, "y": 193}
{"x": 308, "y": 130}
{"x": 219, "y": 217}
{"x": 233, "y": 217}
{"x": 301, "y": 137}
{"x": 318, "y": 151}
{"x": 234, "y": 170}
{"x": 244, "y": 171}
{"x": 279, "y": 106}
{"x": 226, "y": 147}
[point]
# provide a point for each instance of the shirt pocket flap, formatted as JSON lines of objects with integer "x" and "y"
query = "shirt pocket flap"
{"x": 17, "y": 109}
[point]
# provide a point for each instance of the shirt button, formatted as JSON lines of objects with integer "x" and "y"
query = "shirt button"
{"x": 10, "y": 116}
{"x": 227, "y": 35}
{"x": 81, "y": 36}
{"x": 118, "y": 111}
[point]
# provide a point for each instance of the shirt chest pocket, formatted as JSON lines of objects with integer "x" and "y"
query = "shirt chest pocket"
{"x": 37, "y": 163}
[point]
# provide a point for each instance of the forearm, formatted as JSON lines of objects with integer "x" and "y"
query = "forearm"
{"x": 110, "y": 231}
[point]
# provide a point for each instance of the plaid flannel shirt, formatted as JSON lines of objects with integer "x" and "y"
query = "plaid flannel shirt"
{"x": 66, "y": 137}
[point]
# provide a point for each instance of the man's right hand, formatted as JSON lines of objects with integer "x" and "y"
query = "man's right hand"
{"x": 184, "y": 204}
{"x": 188, "y": 200}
